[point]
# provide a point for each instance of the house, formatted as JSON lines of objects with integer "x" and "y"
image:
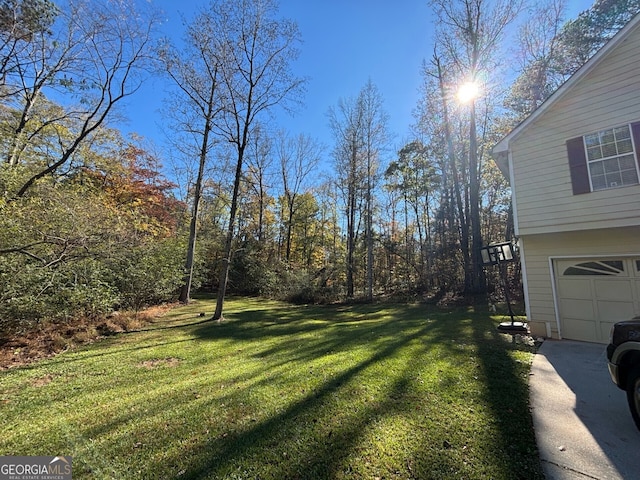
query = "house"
{"x": 573, "y": 166}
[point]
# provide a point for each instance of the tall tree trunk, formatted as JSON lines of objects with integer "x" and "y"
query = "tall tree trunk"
{"x": 185, "y": 291}
{"x": 351, "y": 221}
{"x": 261, "y": 208}
{"x": 429, "y": 242}
{"x": 290, "y": 202}
{"x": 478, "y": 281}
{"x": 369, "y": 236}
{"x": 228, "y": 244}
{"x": 462, "y": 218}
{"x": 408, "y": 247}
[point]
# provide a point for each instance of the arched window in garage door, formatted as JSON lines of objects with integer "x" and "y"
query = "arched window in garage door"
{"x": 601, "y": 267}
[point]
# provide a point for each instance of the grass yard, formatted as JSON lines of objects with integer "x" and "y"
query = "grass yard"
{"x": 283, "y": 392}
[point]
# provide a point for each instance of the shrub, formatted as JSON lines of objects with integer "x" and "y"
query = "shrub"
{"x": 149, "y": 274}
{"x": 300, "y": 286}
{"x": 33, "y": 294}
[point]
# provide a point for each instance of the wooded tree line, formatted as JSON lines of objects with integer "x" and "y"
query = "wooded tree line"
{"x": 89, "y": 221}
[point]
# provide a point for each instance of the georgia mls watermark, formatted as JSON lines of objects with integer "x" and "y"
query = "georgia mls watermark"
{"x": 35, "y": 468}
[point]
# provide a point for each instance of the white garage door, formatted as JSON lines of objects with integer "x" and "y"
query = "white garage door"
{"x": 593, "y": 294}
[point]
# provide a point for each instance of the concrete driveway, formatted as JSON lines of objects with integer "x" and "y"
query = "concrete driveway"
{"x": 582, "y": 422}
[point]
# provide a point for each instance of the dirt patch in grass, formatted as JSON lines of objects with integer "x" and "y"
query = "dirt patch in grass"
{"x": 48, "y": 339}
{"x": 160, "y": 362}
{"x": 43, "y": 381}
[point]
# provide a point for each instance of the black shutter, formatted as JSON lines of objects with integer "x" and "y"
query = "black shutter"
{"x": 578, "y": 165}
{"x": 635, "y": 132}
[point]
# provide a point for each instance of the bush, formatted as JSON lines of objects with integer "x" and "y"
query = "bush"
{"x": 33, "y": 294}
{"x": 301, "y": 287}
{"x": 149, "y": 274}
{"x": 90, "y": 287}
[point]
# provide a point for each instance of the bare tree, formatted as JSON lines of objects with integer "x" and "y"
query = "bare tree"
{"x": 331, "y": 234}
{"x": 469, "y": 36}
{"x": 95, "y": 54}
{"x": 195, "y": 72}
{"x": 258, "y": 176}
{"x": 375, "y": 138}
{"x": 299, "y": 156}
{"x": 460, "y": 194}
{"x": 256, "y": 50}
{"x": 360, "y": 130}
{"x": 347, "y": 125}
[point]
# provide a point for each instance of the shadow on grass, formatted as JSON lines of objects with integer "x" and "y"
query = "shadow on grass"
{"x": 389, "y": 393}
{"x": 507, "y": 392}
{"x": 324, "y": 456}
{"x": 272, "y": 448}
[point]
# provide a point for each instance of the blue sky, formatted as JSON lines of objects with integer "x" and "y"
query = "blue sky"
{"x": 345, "y": 42}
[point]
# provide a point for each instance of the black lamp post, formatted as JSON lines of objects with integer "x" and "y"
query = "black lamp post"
{"x": 499, "y": 254}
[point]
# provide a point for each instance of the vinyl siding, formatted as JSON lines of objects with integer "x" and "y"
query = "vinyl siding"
{"x": 605, "y": 98}
{"x": 539, "y": 249}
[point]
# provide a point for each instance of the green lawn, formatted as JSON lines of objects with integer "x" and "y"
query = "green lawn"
{"x": 283, "y": 392}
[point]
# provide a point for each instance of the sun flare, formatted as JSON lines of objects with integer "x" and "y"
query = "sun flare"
{"x": 468, "y": 91}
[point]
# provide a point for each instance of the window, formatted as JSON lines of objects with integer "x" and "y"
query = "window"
{"x": 605, "y": 267}
{"x": 610, "y": 158}
{"x": 604, "y": 159}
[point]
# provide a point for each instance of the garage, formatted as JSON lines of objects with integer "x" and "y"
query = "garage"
{"x": 593, "y": 294}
